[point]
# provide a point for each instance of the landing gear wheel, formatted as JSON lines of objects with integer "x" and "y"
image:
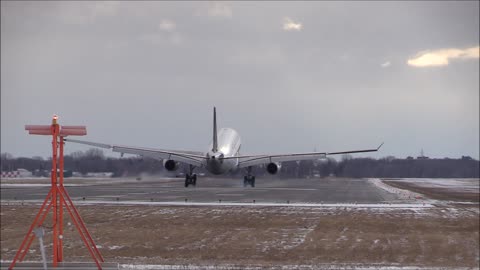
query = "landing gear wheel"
{"x": 190, "y": 180}
{"x": 249, "y": 180}
{"x": 187, "y": 180}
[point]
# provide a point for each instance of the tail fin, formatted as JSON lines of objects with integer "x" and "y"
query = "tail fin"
{"x": 215, "y": 142}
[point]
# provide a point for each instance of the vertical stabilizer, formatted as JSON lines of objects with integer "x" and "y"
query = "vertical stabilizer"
{"x": 215, "y": 142}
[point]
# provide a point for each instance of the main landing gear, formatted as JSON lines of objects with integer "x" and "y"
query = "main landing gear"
{"x": 190, "y": 178}
{"x": 249, "y": 179}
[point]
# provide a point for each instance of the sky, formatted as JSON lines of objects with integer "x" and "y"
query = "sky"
{"x": 288, "y": 76}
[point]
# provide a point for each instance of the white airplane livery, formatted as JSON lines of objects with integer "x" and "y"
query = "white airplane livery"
{"x": 222, "y": 156}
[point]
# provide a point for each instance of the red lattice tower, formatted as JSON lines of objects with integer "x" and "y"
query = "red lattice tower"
{"x": 57, "y": 198}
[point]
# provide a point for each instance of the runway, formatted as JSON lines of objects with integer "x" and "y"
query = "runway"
{"x": 208, "y": 190}
{"x": 280, "y": 222}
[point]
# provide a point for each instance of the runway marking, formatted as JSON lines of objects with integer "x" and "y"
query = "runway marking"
{"x": 219, "y": 194}
{"x": 311, "y": 205}
{"x": 176, "y": 189}
{"x": 292, "y": 189}
{"x": 107, "y": 196}
{"x": 21, "y": 185}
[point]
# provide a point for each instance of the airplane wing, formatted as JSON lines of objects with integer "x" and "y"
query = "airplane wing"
{"x": 247, "y": 161}
{"x": 188, "y": 157}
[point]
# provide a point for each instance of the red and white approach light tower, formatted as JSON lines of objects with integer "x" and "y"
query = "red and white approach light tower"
{"x": 57, "y": 198}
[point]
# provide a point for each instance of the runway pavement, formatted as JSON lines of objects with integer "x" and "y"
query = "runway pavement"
{"x": 267, "y": 190}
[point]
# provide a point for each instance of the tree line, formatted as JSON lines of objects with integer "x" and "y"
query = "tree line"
{"x": 93, "y": 160}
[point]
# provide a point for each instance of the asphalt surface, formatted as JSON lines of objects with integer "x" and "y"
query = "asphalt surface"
{"x": 270, "y": 190}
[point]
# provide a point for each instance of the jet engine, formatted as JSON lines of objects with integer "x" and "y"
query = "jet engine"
{"x": 170, "y": 165}
{"x": 273, "y": 168}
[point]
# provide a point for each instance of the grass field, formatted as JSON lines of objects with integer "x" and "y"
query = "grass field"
{"x": 269, "y": 236}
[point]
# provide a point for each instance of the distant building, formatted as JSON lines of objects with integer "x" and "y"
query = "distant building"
{"x": 77, "y": 174}
{"x": 66, "y": 173}
{"x": 467, "y": 158}
{"x": 17, "y": 174}
{"x": 41, "y": 173}
{"x": 100, "y": 174}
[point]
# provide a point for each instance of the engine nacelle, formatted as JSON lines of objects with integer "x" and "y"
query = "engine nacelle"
{"x": 273, "y": 168}
{"x": 170, "y": 165}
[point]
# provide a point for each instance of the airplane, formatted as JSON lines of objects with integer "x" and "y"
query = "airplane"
{"x": 223, "y": 155}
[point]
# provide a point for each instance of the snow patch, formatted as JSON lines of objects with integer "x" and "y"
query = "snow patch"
{"x": 401, "y": 193}
{"x": 470, "y": 185}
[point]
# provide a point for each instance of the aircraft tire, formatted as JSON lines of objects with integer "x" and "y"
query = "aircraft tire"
{"x": 187, "y": 180}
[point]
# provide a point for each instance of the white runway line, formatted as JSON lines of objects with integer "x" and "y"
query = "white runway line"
{"x": 289, "y": 189}
{"x": 303, "y": 267}
{"x": 38, "y": 185}
{"x": 256, "y": 204}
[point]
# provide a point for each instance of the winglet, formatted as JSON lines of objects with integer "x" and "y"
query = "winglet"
{"x": 215, "y": 142}
{"x": 378, "y": 148}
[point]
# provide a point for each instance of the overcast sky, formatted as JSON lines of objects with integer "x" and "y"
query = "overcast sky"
{"x": 288, "y": 76}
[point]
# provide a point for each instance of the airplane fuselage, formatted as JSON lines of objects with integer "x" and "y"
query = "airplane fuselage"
{"x": 229, "y": 144}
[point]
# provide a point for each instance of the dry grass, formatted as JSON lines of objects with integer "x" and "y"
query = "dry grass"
{"x": 262, "y": 236}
